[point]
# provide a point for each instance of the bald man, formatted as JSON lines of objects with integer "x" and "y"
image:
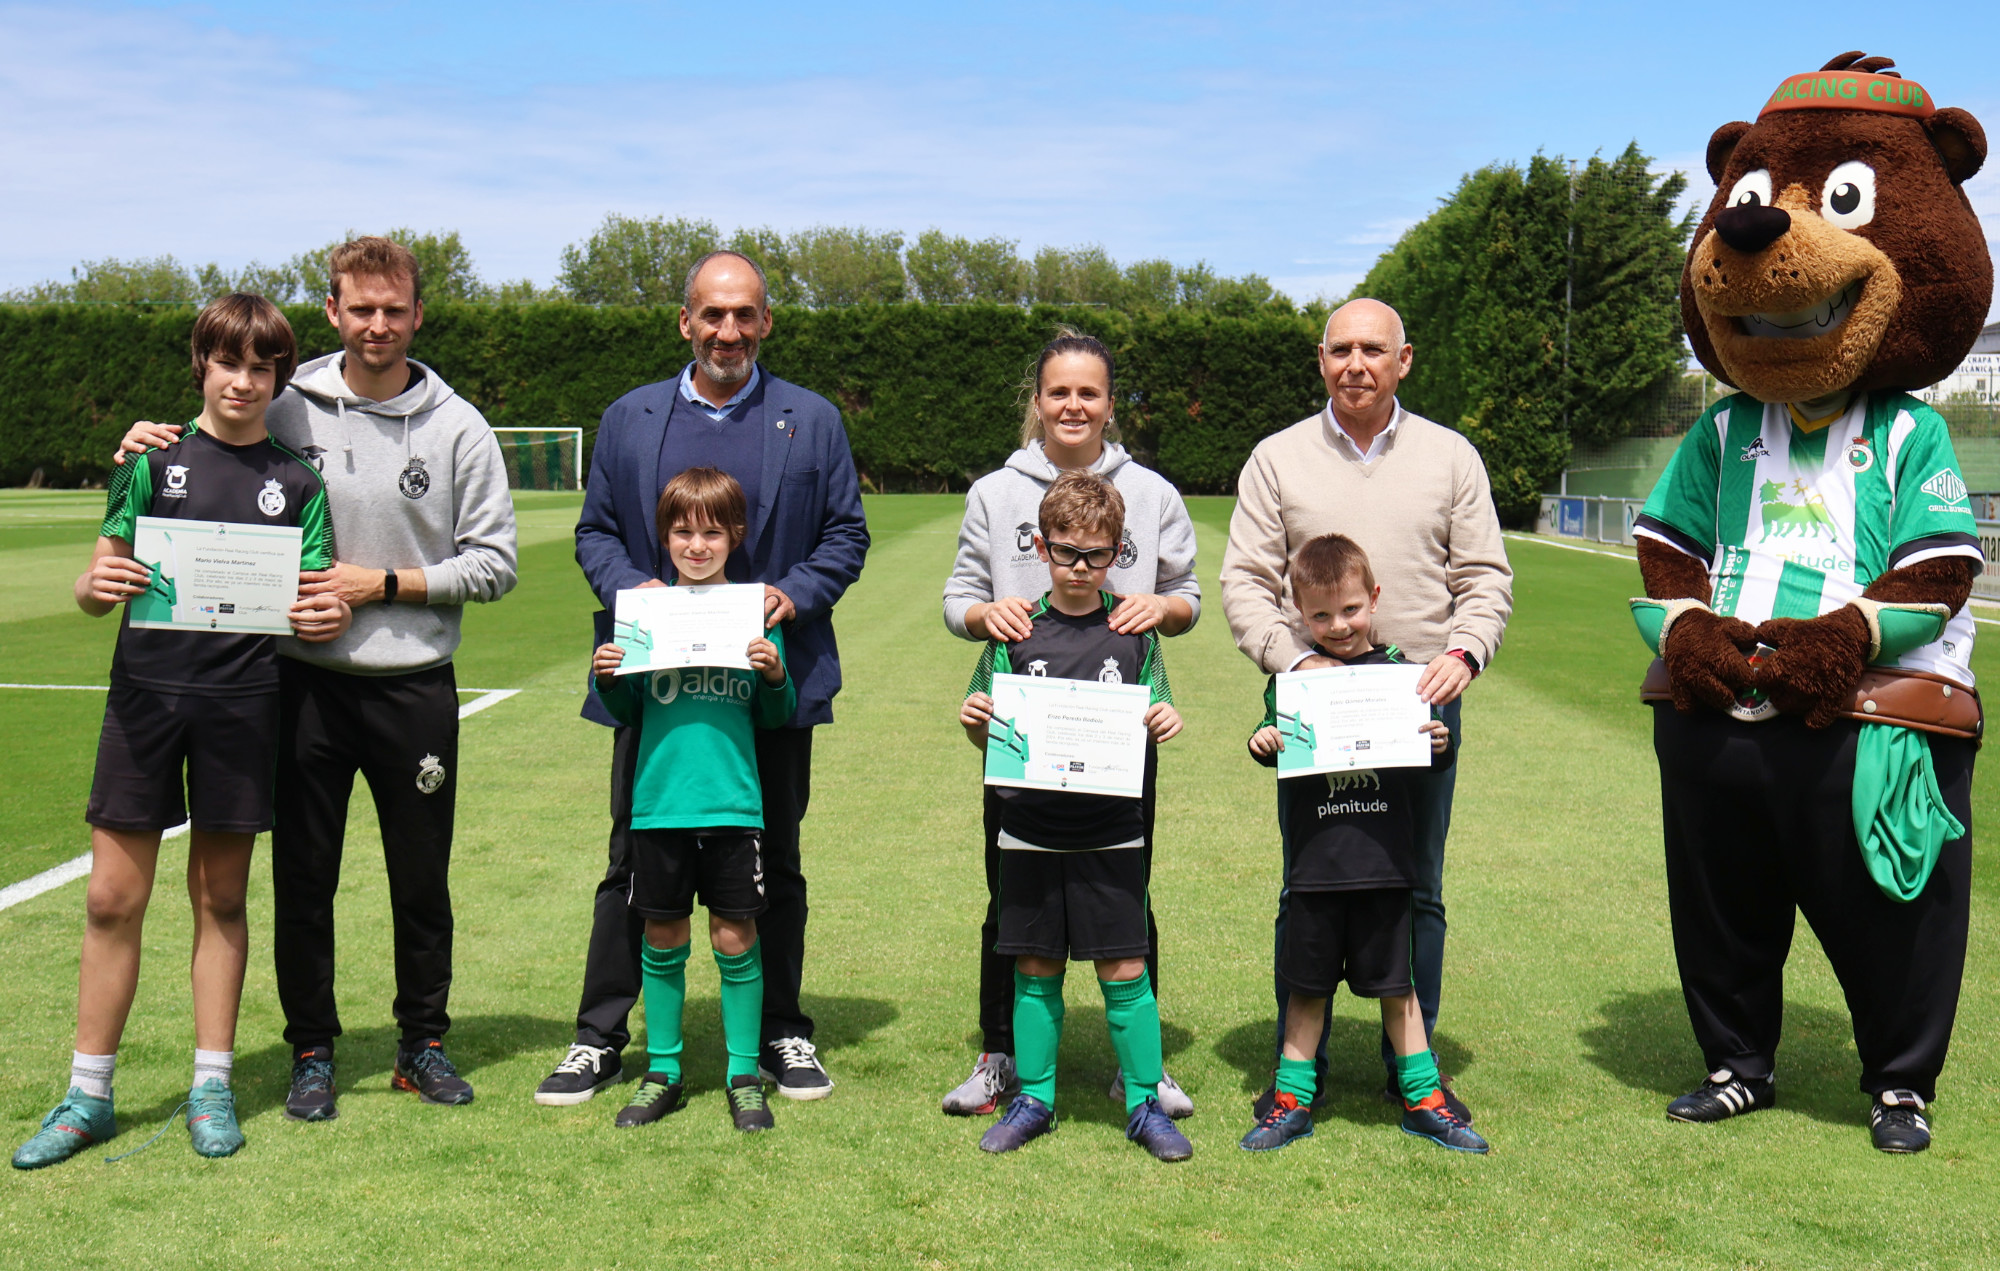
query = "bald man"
{"x": 1415, "y": 496}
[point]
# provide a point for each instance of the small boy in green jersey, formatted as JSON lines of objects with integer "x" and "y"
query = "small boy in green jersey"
{"x": 1350, "y": 865}
{"x": 698, "y": 811}
{"x": 190, "y": 724}
{"x": 1072, "y": 865}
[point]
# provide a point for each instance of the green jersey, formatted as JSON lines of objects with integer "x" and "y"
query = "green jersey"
{"x": 1795, "y": 523}
{"x": 697, "y": 742}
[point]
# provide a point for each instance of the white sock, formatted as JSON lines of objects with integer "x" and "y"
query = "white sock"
{"x": 92, "y": 1073}
{"x": 213, "y": 1063}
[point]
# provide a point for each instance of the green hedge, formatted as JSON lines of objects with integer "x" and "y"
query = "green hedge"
{"x": 931, "y": 394}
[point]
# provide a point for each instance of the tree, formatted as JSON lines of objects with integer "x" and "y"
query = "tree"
{"x": 1542, "y": 307}
{"x": 954, "y": 270}
{"x": 836, "y": 265}
{"x": 631, "y": 261}
{"x": 1076, "y": 275}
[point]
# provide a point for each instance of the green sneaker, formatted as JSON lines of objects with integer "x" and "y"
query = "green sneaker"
{"x": 77, "y": 1122}
{"x": 212, "y": 1119}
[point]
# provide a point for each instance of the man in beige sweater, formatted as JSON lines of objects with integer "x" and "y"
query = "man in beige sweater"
{"x": 1415, "y": 497}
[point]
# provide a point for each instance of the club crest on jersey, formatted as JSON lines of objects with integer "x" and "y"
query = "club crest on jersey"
{"x": 414, "y": 482}
{"x": 1805, "y": 519}
{"x": 430, "y": 775}
{"x": 177, "y": 480}
{"x": 271, "y": 499}
{"x": 1859, "y": 455}
{"x": 1945, "y": 485}
{"x": 1755, "y": 451}
{"x": 1108, "y": 674}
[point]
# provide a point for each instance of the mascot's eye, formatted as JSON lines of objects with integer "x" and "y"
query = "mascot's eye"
{"x": 1848, "y": 201}
{"x": 1752, "y": 189}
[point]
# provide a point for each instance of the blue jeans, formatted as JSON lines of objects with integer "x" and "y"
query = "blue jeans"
{"x": 1432, "y": 815}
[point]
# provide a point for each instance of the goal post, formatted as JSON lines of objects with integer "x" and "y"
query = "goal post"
{"x": 542, "y": 458}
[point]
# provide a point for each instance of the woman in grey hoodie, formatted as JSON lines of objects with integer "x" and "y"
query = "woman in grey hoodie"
{"x": 992, "y": 591}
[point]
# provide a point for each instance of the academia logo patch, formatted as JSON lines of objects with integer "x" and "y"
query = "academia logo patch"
{"x": 271, "y": 499}
{"x": 177, "y": 480}
{"x": 1945, "y": 485}
{"x": 430, "y": 775}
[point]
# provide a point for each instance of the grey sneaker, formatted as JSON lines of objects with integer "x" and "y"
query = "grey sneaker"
{"x": 1174, "y": 1101}
{"x": 992, "y": 1083}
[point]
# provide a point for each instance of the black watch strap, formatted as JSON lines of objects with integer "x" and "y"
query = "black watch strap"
{"x": 388, "y": 586}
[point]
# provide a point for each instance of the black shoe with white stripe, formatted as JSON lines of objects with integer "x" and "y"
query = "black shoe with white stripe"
{"x": 583, "y": 1072}
{"x": 794, "y": 1065}
{"x": 1897, "y": 1123}
{"x": 1722, "y": 1096}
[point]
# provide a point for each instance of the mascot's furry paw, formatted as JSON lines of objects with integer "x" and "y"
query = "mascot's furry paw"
{"x": 1817, "y": 663}
{"x": 1706, "y": 659}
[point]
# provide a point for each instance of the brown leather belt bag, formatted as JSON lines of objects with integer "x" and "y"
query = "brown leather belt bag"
{"x": 1910, "y": 699}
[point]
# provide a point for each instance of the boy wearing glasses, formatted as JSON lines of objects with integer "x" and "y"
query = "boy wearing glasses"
{"x": 1073, "y": 866}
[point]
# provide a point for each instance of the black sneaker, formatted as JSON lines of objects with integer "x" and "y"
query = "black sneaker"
{"x": 1151, "y": 1128}
{"x": 655, "y": 1098}
{"x": 1287, "y": 1120}
{"x": 1433, "y": 1119}
{"x": 424, "y": 1069}
{"x": 1263, "y": 1104}
{"x": 747, "y": 1107}
{"x": 1026, "y": 1118}
{"x": 311, "y": 1096}
{"x": 584, "y": 1071}
{"x": 1392, "y": 1093}
{"x": 793, "y": 1064}
{"x": 1897, "y": 1123}
{"x": 1722, "y": 1096}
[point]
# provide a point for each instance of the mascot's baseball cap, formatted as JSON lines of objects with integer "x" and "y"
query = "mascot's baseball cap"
{"x": 1888, "y": 94}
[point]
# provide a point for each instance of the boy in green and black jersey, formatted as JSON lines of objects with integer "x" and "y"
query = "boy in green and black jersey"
{"x": 1350, "y": 867}
{"x": 1072, "y": 865}
{"x": 190, "y": 727}
{"x": 698, "y": 810}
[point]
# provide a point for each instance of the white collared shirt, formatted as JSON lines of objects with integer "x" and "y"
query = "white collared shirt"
{"x": 709, "y": 408}
{"x": 1375, "y": 447}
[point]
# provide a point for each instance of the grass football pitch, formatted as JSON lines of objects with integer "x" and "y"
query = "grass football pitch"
{"x": 1562, "y": 1020}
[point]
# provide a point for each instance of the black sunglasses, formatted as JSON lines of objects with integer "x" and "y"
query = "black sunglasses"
{"x": 1097, "y": 557}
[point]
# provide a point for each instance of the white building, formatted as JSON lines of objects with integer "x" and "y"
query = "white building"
{"x": 1977, "y": 378}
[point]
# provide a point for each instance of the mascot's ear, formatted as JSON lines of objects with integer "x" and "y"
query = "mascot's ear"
{"x": 1959, "y": 140}
{"x": 1723, "y": 144}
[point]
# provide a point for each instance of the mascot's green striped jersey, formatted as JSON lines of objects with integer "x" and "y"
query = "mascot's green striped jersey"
{"x": 1795, "y": 523}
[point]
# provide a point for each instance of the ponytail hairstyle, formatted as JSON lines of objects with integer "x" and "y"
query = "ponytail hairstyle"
{"x": 1068, "y": 340}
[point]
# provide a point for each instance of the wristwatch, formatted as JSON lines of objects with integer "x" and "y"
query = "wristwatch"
{"x": 388, "y": 586}
{"x": 1463, "y": 655}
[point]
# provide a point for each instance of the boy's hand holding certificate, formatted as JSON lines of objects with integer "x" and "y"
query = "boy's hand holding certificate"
{"x": 1343, "y": 717}
{"x": 1077, "y": 735}
{"x": 662, "y": 628}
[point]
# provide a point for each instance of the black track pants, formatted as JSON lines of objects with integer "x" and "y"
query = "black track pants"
{"x": 1759, "y": 822}
{"x": 611, "y": 968}
{"x": 400, "y": 732}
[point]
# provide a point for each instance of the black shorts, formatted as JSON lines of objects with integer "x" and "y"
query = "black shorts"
{"x": 1362, "y": 937}
{"x": 725, "y": 867}
{"x": 1083, "y": 905}
{"x": 165, "y": 758}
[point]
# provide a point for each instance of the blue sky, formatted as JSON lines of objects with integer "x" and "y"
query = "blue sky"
{"x": 1290, "y": 140}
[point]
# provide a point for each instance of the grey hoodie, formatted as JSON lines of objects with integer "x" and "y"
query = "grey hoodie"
{"x": 413, "y": 482}
{"x": 996, "y": 545}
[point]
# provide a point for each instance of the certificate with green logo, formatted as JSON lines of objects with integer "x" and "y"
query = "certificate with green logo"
{"x": 1050, "y": 734}
{"x": 216, "y": 576}
{"x": 1340, "y": 718}
{"x": 661, "y": 628}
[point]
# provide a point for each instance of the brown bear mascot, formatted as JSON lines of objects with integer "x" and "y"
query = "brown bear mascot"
{"x": 1807, "y": 558}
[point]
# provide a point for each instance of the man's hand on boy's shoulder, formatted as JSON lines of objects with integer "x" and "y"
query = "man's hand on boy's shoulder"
{"x": 146, "y": 435}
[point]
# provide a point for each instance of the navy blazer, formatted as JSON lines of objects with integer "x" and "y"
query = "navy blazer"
{"x": 808, "y": 535}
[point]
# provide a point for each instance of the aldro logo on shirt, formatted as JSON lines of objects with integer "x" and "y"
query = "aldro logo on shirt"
{"x": 711, "y": 683}
{"x": 1782, "y": 519}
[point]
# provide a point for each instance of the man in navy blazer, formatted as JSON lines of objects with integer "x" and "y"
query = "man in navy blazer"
{"x": 806, "y": 542}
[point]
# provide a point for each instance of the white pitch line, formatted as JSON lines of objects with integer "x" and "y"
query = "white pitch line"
{"x": 70, "y": 688}
{"x": 1568, "y": 547}
{"x": 77, "y": 867}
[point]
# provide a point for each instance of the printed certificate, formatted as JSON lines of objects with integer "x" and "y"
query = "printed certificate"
{"x": 1050, "y": 734}
{"x": 1341, "y": 717}
{"x": 216, "y": 575}
{"x": 664, "y": 627}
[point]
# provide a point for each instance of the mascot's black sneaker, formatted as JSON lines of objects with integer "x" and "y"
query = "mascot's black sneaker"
{"x": 1897, "y": 1123}
{"x": 1722, "y": 1096}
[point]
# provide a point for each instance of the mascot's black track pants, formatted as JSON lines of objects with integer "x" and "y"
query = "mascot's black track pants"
{"x": 1759, "y": 820}
{"x": 400, "y": 732}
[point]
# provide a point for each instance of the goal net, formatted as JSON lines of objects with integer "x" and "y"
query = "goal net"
{"x": 542, "y": 458}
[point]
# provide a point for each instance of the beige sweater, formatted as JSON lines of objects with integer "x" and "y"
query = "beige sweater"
{"x": 1423, "y": 511}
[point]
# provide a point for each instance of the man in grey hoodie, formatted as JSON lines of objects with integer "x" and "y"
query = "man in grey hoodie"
{"x": 423, "y": 523}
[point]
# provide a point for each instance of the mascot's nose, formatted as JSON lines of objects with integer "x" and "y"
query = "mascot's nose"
{"x": 1752, "y": 227}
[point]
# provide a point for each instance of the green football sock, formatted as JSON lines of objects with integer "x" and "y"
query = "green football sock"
{"x": 742, "y": 1006}
{"x": 664, "y": 973}
{"x": 1038, "y": 1017}
{"x": 1416, "y": 1077}
{"x": 1296, "y": 1078}
{"x": 1134, "y": 1016}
